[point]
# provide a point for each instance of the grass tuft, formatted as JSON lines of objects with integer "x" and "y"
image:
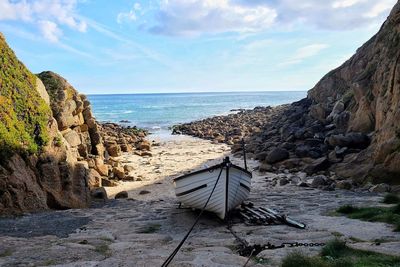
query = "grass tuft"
{"x": 333, "y": 248}
{"x": 149, "y": 229}
{"x": 391, "y": 199}
{"x": 337, "y": 254}
{"x": 6, "y": 253}
{"x": 390, "y": 215}
{"x": 346, "y": 209}
{"x": 297, "y": 259}
{"x": 103, "y": 249}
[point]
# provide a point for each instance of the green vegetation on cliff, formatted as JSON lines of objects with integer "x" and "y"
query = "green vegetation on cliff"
{"x": 23, "y": 113}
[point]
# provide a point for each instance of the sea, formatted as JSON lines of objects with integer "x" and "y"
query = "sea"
{"x": 158, "y": 112}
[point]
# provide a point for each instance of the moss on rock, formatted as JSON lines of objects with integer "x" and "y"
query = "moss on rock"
{"x": 23, "y": 113}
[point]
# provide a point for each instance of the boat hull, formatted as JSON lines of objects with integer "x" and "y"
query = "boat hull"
{"x": 232, "y": 189}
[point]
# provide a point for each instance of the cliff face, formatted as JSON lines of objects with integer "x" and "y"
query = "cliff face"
{"x": 43, "y": 159}
{"x": 363, "y": 95}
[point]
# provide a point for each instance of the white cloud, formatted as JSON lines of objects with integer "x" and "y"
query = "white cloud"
{"x": 345, "y": 3}
{"x": 330, "y": 14}
{"x": 129, "y": 16}
{"x": 194, "y": 17}
{"x": 378, "y": 9}
{"x": 303, "y": 53}
{"x": 47, "y": 15}
{"x": 50, "y": 30}
{"x": 11, "y": 10}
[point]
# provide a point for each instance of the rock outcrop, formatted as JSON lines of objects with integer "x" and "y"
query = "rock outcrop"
{"x": 38, "y": 168}
{"x": 349, "y": 123}
{"x": 53, "y": 152}
{"x": 363, "y": 95}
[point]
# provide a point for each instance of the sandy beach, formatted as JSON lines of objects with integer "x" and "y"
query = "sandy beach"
{"x": 143, "y": 229}
{"x": 172, "y": 157}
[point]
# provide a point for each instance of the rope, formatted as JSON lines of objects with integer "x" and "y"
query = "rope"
{"x": 248, "y": 259}
{"x": 172, "y": 255}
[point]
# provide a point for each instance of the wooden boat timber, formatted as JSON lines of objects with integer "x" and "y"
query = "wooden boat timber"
{"x": 232, "y": 189}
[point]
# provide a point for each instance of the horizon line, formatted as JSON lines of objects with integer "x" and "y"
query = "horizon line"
{"x": 199, "y": 92}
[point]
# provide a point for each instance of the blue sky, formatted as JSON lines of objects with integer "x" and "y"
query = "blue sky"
{"x": 154, "y": 46}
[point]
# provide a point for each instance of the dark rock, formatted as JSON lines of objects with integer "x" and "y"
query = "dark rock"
{"x": 317, "y": 165}
{"x": 302, "y": 184}
{"x": 340, "y": 151}
{"x": 288, "y": 146}
{"x": 344, "y": 184}
{"x": 290, "y": 163}
{"x": 313, "y": 142}
{"x": 106, "y": 182}
{"x": 265, "y": 167}
{"x": 144, "y": 192}
{"x": 319, "y": 180}
{"x": 302, "y": 151}
{"x": 351, "y": 140}
{"x": 380, "y": 188}
{"x": 261, "y": 156}
{"x": 283, "y": 181}
{"x": 342, "y": 120}
{"x": 122, "y": 194}
{"x": 99, "y": 193}
{"x": 276, "y": 155}
{"x": 299, "y": 134}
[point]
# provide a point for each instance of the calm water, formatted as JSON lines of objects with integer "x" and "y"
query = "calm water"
{"x": 159, "y": 111}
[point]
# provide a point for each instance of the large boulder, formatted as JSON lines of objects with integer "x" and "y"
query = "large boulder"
{"x": 351, "y": 140}
{"x": 277, "y": 155}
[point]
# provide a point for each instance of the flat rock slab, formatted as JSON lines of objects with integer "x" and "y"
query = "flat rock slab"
{"x": 60, "y": 224}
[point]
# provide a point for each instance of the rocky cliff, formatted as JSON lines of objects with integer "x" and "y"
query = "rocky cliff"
{"x": 349, "y": 123}
{"x": 363, "y": 95}
{"x": 52, "y": 150}
{"x": 38, "y": 168}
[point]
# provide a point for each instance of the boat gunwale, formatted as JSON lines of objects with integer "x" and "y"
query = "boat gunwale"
{"x": 211, "y": 169}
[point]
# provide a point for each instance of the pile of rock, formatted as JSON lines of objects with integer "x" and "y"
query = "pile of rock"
{"x": 228, "y": 129}
{"x": 124, "y": 139}
{"x": 285, "y": 137}
{"x": 327, "y": 181}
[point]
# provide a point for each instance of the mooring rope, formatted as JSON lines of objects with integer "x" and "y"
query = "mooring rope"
{"x": 172, "y": 255}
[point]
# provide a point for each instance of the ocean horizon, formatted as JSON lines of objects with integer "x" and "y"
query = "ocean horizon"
{"x": 157, "y": 112}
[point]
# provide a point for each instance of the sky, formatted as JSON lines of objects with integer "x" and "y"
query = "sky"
{"x": 159, "y": 46}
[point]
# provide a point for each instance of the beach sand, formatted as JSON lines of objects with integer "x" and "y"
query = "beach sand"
{"x": 145, "y": 228}
{"x": 174, "y": 156}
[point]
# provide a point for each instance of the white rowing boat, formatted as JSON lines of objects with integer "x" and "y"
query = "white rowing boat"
{"x": 233, "y": 187}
